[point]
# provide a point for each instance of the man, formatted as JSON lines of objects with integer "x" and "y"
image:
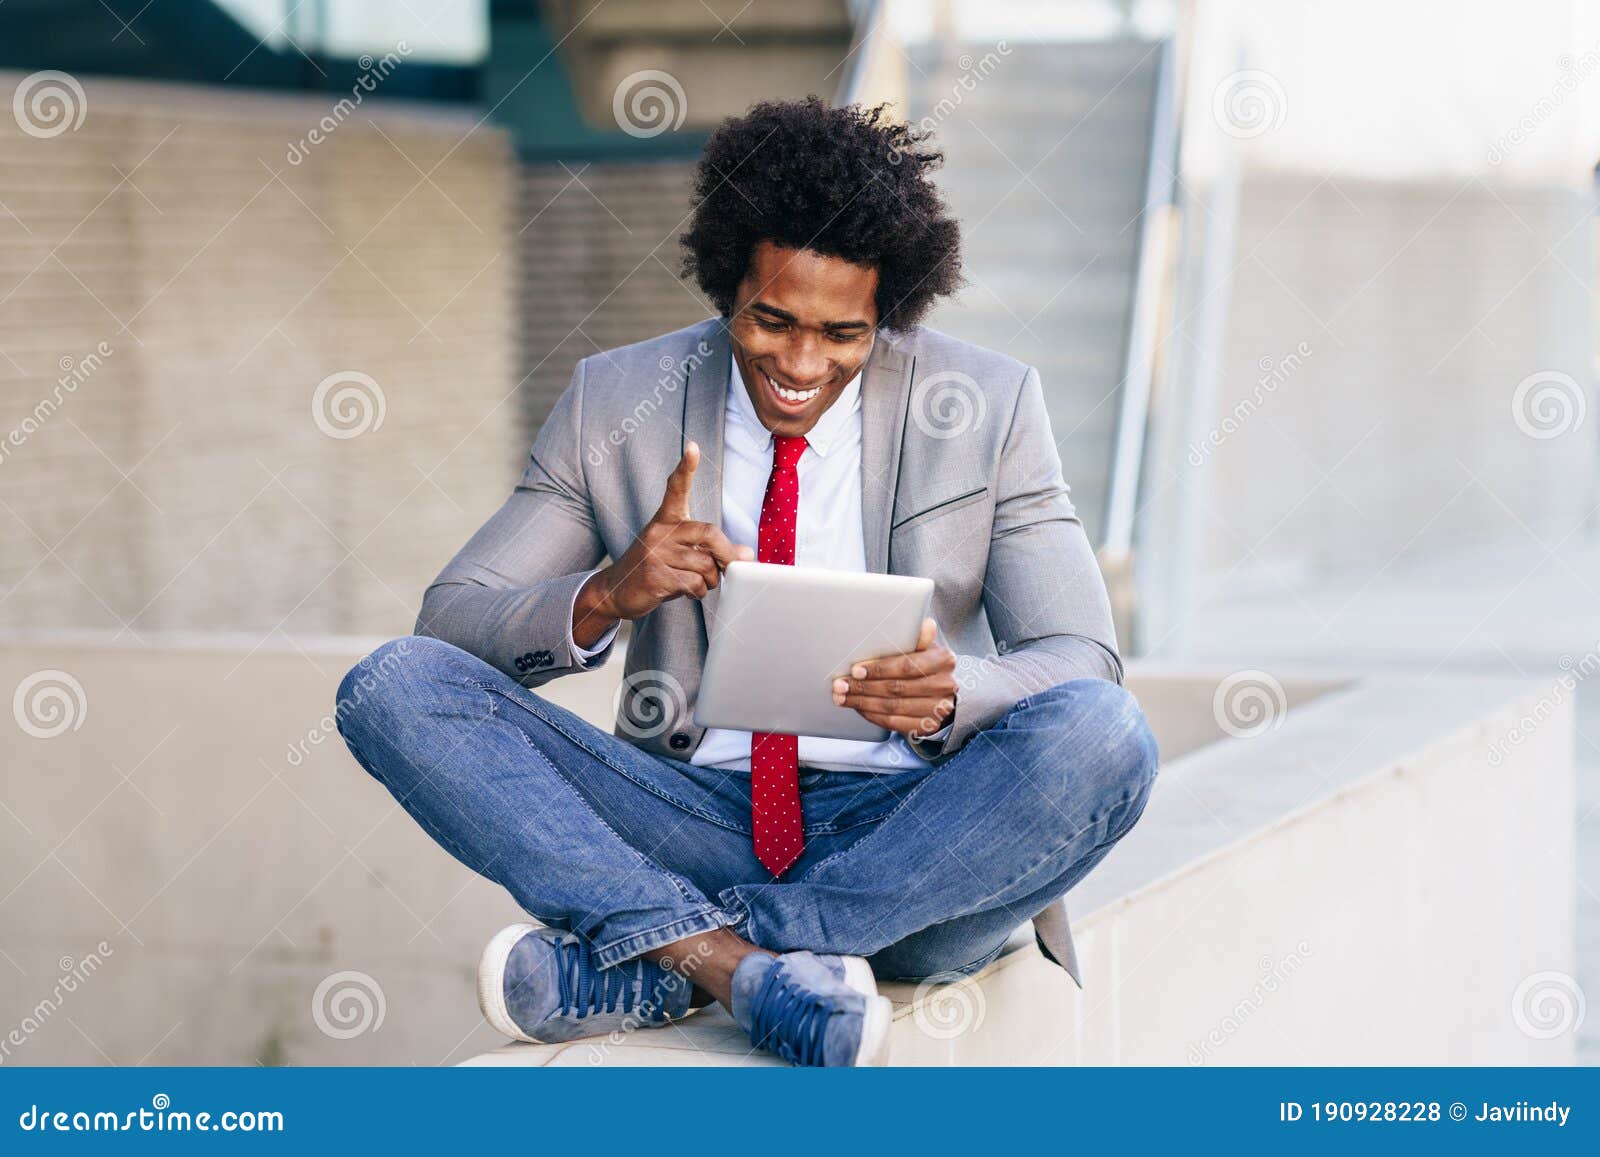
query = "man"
{"x": 812, "y": 422}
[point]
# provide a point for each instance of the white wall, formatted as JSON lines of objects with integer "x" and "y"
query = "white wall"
{"x": 1384, "y": 341}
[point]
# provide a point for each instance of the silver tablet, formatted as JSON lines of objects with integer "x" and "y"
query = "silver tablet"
{"x": 782, "y": 635}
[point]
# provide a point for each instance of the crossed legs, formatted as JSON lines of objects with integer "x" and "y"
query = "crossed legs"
{"x": 925, "y": 872}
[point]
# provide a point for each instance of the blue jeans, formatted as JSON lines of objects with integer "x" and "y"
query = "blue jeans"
{"x": 925, "y": 871}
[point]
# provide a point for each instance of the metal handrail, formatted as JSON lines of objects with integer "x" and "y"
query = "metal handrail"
{"x": 1144, "y": 339}
{"x": 864, "y": 19}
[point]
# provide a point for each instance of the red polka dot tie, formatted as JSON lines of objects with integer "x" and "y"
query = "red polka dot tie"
{"x": 778, "y": 834}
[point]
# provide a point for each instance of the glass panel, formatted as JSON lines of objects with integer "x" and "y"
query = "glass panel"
{"x": 262, "y": 17}
{"x": 444, "y": 30}
{"x": 455, "y": 31}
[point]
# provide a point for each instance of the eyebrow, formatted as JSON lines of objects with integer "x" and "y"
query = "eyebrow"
{"x": 784, "y": 315}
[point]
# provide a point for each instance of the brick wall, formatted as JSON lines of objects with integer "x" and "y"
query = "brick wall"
{"x": 168, "y": 253}
{"x": 600, "y": 265}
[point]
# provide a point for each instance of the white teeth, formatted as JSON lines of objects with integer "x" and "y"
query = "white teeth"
{"x": 794, "y": 395}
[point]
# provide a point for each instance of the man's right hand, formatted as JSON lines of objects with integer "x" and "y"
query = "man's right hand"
{"x": 672, "y": 556}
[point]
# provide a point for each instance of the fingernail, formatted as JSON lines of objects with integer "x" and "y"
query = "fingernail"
{"x": 838, "y": 699}
{"x": 858, "y": 671}
{"x": 840, "y": 687}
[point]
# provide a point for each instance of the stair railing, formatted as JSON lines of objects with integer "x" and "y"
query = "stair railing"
{"x": 1152, "y": 297}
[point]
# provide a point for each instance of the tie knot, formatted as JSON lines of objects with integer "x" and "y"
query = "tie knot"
{"x": 786, "y": 450}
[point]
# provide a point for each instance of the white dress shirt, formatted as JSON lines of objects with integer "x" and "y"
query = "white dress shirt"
{"x": 828, "y": 533}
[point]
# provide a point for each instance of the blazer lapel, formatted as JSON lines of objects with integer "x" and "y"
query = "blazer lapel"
{"x": 885, "y": 393}
{"x": 705, "y": 399}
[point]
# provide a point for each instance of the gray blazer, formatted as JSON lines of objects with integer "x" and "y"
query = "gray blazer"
{"x": 960, "y": 481}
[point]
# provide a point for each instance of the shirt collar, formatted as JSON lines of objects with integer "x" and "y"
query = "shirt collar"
{"x": 822, "y": 437}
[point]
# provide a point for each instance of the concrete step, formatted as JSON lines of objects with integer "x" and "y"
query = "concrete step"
{"x": 1041, "y": 68}
{"x": 1046, "y": 150}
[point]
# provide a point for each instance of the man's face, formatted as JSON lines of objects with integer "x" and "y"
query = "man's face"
{"x": 802, "y": 326}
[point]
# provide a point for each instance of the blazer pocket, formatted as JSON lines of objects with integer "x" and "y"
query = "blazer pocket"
{"x": 946, "y": 506}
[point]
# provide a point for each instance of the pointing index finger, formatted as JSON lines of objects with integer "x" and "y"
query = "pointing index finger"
{"x": 675, "y": 502}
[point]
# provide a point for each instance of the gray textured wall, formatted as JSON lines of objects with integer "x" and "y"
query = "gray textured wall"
{"x": 185, "y": 483}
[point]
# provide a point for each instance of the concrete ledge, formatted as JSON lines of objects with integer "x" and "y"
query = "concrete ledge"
{"x": 1370, "y": 880}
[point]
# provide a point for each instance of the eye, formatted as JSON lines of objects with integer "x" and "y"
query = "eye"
{"x": 845, "y": 338}
{"x": 769, "y": 325}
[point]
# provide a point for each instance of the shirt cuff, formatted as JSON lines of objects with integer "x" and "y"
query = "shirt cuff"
{"x": 585, "y": 655}
{"x": 929, "y": 746}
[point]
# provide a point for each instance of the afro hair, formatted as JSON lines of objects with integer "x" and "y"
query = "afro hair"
{"x": 845, "y": 182}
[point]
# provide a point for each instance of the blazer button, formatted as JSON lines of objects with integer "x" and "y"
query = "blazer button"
{"x": 679, "y": 740}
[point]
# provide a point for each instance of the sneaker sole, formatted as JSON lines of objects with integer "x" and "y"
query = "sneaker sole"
{"x": 492, "y": 981}
{"x": 492, "y": 984}
{"x": 858, "y": 975}
{"x": 874, "y": 1050}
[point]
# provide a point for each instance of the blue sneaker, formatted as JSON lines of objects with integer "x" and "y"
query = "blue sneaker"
{"x": 852, "y": 972}
{"x": 805, "y": 1009}
{"x": 542, "y": 985}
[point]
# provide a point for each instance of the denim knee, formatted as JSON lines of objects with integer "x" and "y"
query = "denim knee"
{"x": 1117, "y": 748}
{"x": 392, "y": 677}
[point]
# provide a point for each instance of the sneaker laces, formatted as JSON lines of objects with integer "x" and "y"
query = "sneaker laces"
{"x": 585, "y": 989}
{"x": 789, "y": 1019}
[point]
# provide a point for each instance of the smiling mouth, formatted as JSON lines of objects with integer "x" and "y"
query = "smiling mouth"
{"x": 792, "y": 397}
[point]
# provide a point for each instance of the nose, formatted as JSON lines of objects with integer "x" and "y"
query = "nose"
{"x": 803, "y": 361}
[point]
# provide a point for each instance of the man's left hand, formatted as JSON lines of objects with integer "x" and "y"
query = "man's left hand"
{"x": 913, "y": 693}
